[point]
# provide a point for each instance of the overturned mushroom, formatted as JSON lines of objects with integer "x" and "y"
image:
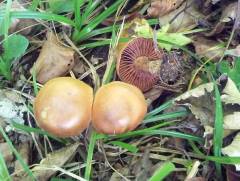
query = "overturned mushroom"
{"x": 139, "y": 63}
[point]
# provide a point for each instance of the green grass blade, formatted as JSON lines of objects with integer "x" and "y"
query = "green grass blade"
{"x": 223, "y": 160}
{"x": 159, "y": 109}
{"x": 97, "y": 20}
{"x": 218, "y": 128}
{"x": 34, "y": 77}
{"x": 35, "y": 130}
{"x": 4, "y": 175}
{"x": 95, "y": 44}
{"x": 18, "y": 156}
{"x": 158, "y": 132}
{"x": 126, "y": 146}
{"x": 5, "y": 70}
{"x": 34, "y": 5}
{"x": 170, "y": 115}
{"x": 6, "y": 22}
{"x": 163, "y": 171}
{"x": 77, "y": 6}
{"x": 91, "y": 146}
{"x": 109, "y": 29}
{"x": 90, "y": 8}
{"x": 39, "y": 15}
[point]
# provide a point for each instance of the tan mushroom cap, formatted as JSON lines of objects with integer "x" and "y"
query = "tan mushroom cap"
{"x": 63, "y": 106}
{"x": 118, "y": 107}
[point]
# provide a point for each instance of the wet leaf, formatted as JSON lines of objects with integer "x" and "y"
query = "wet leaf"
{"x": 54, "y": 60}
{"x": 233, "y": 150}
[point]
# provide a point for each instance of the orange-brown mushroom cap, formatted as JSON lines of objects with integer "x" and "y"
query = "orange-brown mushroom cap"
{"x": 118, "y": 107}
{"x": 139, "y": 63}
{"x": 63, "y": 107}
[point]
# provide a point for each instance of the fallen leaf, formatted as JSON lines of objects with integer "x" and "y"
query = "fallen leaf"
{"x": 197, "y": 92}
{"x": 208, "y": 48}
{"x": 233, "y": 150}
{"x": 141, "y": 28}
{"x": 45, "y": 169}
{"x": 24, "y": 151}
{"x": 232, "y": 121}
{"x": 159, "y": 8}
{"x": 231, "y": 94}
{"x": 6, "y": 153}
{"x": 12, "y": 106}
{"x": 54, "y": 60}
{"x": 182, "y": 19}
{"x": 152, "y": 95}
{"x": 23, "y": 26}
{"x": 233, "y": 52}
{"x": 228, "y": 14}
{"x": 231, "y": 69}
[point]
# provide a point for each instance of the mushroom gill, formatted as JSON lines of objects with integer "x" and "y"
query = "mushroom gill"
{"x": 139, "y": 63}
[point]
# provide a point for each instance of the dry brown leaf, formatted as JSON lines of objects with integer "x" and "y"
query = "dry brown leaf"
{"x": 208, "y": 48}
{"x": 24, "y": 151}
{"x": 6, "y": 152}
{"x": 160, "y": 8}
{"x": 54, "y": 60}
{"x": 24, "y": 26}
{"x": 182, "y": 19}
{"x": 45, "y": 169}
{"x": 228, "y": 14}
{"x": 152, "y": 95}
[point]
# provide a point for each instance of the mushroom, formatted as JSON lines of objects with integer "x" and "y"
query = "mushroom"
{"x": 118, "y": 107}
{"x": 63, "y": 107}
{"x": 139, "y": 63}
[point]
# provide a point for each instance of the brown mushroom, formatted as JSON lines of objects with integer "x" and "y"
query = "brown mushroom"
{"x": 63, "y": 107}
{"x": 118, "y": 107}
{"x": 139, "y": 63}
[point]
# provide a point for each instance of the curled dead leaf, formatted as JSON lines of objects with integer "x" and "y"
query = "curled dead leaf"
{"x": 54, "y": 60}
{"x": 160, "y": 8}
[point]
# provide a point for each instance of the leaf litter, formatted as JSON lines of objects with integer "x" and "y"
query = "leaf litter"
{"x": 201, "y": 28}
